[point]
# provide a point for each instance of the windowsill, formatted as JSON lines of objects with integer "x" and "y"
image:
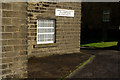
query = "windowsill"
{"x": 49, "y": 42}
{"x": 44, "y": 45}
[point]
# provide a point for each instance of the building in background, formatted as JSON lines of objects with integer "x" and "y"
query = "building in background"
{"x": 100, "y": 21}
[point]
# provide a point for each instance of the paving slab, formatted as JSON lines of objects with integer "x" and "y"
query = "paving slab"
{"x": 55, "y": 66}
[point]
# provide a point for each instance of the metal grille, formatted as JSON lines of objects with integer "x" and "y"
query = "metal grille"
{"x": 45, "y": 31}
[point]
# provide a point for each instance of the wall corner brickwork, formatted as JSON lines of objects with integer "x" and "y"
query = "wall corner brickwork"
{"x": 0, "y": 40}
{"x": 14, "y": 40}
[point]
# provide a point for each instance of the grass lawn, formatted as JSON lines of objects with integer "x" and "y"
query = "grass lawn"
{"x": 100, "y": 44}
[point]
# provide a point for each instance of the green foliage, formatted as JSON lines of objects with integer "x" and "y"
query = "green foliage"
{"x": 100, "y": 44}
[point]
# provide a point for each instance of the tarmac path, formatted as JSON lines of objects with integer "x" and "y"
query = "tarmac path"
{"x": 106, "y": 64}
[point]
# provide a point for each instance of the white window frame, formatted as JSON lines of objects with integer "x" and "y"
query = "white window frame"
{"x": 107, "y": 12}
{"x": 53, "y": 33}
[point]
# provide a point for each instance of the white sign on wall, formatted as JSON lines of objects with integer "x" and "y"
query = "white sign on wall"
{"x": 64, "y": 12}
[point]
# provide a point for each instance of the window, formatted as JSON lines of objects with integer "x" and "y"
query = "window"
{"x": 45, "y": 31}
{"x": 106, "y": 16}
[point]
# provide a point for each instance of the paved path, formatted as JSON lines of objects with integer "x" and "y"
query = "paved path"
{"x": 106, "y": 64}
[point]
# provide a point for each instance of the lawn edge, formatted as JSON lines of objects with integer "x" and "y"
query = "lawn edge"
{"x": 80, "y": 66}
{"x": 100, "y": 44}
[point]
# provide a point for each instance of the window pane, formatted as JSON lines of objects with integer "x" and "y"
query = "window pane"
{"x": 41, "y": 36}
{"x": 45, "y": 31}
{"x": 106, "y": 16}
{"x": 48, "y": 35}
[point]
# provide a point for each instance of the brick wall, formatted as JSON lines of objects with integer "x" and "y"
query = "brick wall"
{"x": 0, "y": 40}
{"x": 14, "y": 40}
{"x": 19, "y": 38}
{"x": 67, "y": 28}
